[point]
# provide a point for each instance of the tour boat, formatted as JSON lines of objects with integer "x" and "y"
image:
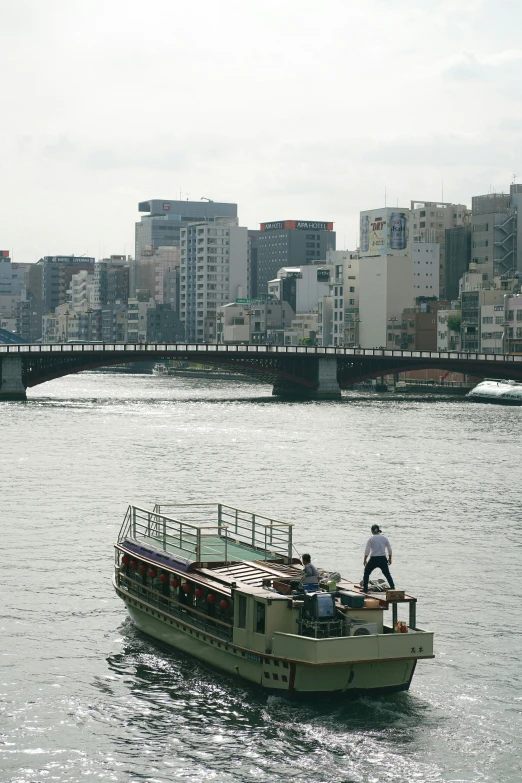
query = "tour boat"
{"x": 219, "y": 584}
{"x": 497, "y": 391}
{"x": 160, "y": 369}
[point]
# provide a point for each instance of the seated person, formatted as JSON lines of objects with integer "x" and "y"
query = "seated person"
{"x": 309, "y": 574}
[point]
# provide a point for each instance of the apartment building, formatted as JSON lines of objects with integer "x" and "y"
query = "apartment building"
{"x": 213, "y": 272}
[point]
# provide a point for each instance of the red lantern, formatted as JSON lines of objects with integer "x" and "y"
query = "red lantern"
{"x": 211, "y": 598}
{"x": 187, "y": 587}
{"x": 143, "y": 568}
{"x": 224, "y": 603}
{"x": 153, "y": 573}
{"x": 133, "y": 564}
{"x": 198, "y": 592}
{"x": 164, "y": 578}
{"x": 125, "y": 560}
{"x": 174, "y": 582}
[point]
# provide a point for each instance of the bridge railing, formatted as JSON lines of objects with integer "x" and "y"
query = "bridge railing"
{"x": 141, "y": 351}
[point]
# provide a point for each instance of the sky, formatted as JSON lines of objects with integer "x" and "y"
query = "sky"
{"x": 293, "y": 109}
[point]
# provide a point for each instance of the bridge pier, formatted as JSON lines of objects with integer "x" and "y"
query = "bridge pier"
{"x": 11, "y": 379}
{"x": 327, "y": 387}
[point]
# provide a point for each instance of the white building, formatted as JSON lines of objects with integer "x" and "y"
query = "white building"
{"x": 253, "y": 322}
{"x": 213, "y": 272}
{"x": 303, "y": 327}
{"x": 81, "y": 290}
{"x": 344, "y": 293}
{"x": 137, "y": 319}
{"x": 302, "y": 286}
{"x": 448, "y": 339}
{"x": 429, "y": 221}
{"x": 426, "y": 260}
{"x": 492, "y": 328}
{"x": 385, "y": 291}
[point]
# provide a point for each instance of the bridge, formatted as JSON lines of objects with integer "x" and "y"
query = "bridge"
{"x": 295, "y": 371}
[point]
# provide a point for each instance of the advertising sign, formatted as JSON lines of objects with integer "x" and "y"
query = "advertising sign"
{"x": 385, "y": 232}
{"x": 299, "y": 225}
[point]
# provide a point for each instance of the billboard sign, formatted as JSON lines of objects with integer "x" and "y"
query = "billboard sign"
{"x": 385, "y": 232}
{"x": 299, "y": 225}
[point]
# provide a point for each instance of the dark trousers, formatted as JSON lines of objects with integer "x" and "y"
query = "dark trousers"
{"x": 377, "y": 562}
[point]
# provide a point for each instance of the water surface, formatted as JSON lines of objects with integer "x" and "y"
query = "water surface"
{"x": 86, "y": 697}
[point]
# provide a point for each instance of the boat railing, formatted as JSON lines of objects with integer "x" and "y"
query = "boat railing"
{"x": 270, "y": 536}
{"x": 192, "y": 541}
{"x": 186, "y": 613}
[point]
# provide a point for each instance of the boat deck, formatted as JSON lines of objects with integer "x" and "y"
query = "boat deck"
{"x": 209, "y": 533}
{"x": 213, "y": 548}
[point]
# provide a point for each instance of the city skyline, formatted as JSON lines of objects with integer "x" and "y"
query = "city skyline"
{"x": 263, "y": 107}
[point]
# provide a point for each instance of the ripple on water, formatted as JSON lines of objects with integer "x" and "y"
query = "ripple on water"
{"x": 87, "y": 697}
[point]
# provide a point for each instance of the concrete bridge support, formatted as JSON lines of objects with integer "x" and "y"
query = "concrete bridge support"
{"x": 11, "y": 379}
{"x": 327, "y": 386}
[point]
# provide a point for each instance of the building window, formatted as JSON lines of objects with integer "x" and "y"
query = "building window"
{"x": 260, "y": 617}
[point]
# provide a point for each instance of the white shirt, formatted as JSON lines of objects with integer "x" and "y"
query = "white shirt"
{"x": 377, "y": 545}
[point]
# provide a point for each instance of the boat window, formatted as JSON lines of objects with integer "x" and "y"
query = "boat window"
{"x": 260, "y": 617}
{"x": 241, "y": 615}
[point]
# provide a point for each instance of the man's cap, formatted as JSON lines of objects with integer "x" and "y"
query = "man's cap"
{"x": 376, "y": 529}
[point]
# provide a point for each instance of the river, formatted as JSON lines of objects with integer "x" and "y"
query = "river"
{"x": 86, "y": 697}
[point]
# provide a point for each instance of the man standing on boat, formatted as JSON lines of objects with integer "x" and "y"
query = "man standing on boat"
{"x": 376, "y": 548}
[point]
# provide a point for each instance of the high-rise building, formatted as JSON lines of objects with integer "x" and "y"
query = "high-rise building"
{"x": 213, "y": 272}
{"x": 162, "y": 226}
{"x": 253, "y": 247}
{"x": 290, "y": 243}
{"x": 458, "y": 258}
{"x": 102, "y": 271}
{"x": 495, "y": 229}
{"x": 57, "y": 272}
{"x": 429, "y": 221}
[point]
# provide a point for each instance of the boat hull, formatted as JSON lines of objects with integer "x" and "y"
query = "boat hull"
{"x": 277, "y": 675}
{"x": 494, "y": 400}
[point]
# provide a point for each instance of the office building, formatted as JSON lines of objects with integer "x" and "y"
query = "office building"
{"x": 338, "y": 312}
{"x": 161, "y": 227}
{"x": 111, "y": 273}
{"x": 253, "y": 322}
{"x": 425, "y": 257}
{"x": 213, "y": 272}
{"x": 301, "y": 286}
{"x": 513, "y": 324}
{"x": 163, "y": 325}
{"x": 290, "y": 243}
{"x": 385, "y": 290}
{"x": 458, "y": 258}
{"x": 429, "y": 221}
{"x": 57, "y": 272}
{"x": 253, "y": 246}
{"x": 495, "y": 230}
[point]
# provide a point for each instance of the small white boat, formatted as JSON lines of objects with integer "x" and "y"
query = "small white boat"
{"x": 497, "y": 391}
{"x": 219, "y": 584}
{"x": 160, "y": 369}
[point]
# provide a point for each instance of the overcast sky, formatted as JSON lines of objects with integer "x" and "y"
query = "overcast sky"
{"x": 295, "y": 109}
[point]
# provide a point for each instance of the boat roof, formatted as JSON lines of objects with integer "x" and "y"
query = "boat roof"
{"x": 206, "y": 534}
